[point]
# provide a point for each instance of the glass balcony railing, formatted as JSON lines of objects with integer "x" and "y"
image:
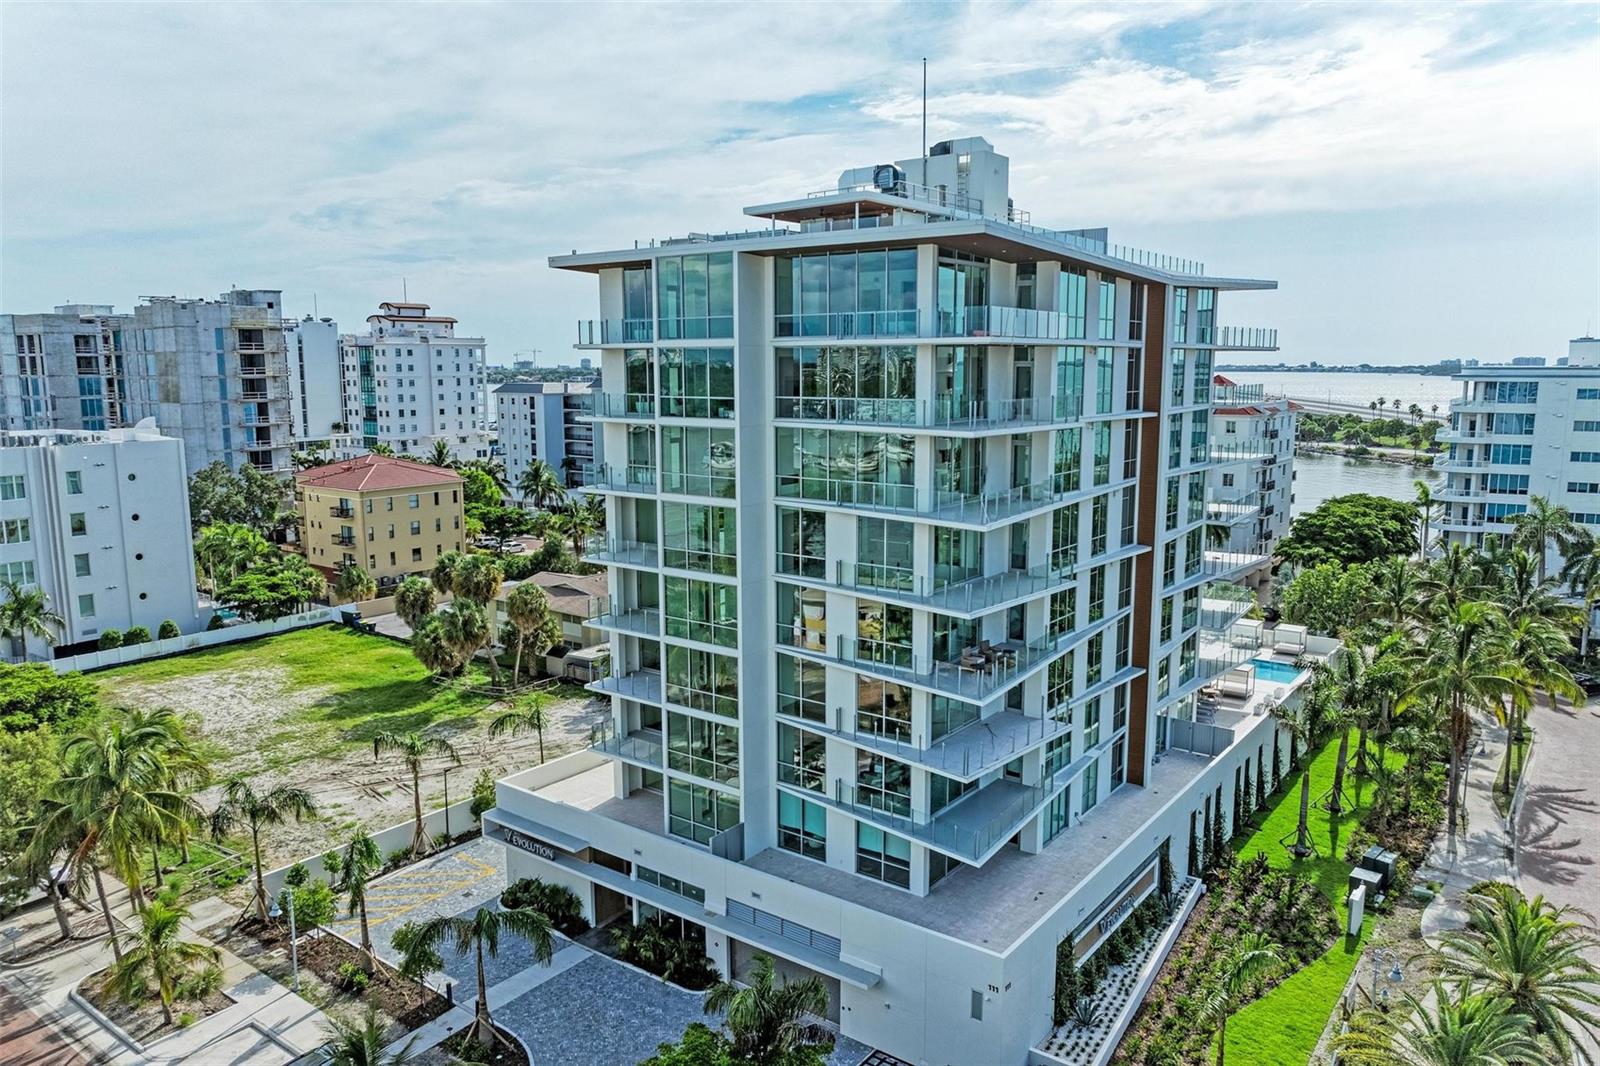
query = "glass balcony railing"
{"x": 1245, "y": 339}
{"x": 977, "y": 508}
{"x": 608, "y": 478}
{"x": 644, "y": 622}
{"x": 603, "y": 550}
{"x": 974, "y": 674}
{"x": 1023, "y": 322}
{"x": 641, "y": 685}
{"x": 846, "y": 325}
{"x": 965, "y": 597}
{"x": 642, "y": 747}
{"x": 632, "y": 405}
{"x": 941, "y": 413}
{"x": 1235, "y": 395}
{"x": 593, "y": 332}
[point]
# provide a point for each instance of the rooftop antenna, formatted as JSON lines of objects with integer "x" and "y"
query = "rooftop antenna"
{"x": 924, "y": 122}
{"x": 403, "y": 294}
{"x": 314, "y": 312}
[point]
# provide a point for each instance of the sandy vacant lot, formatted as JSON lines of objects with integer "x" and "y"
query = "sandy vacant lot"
{"x": 303, "y": 707}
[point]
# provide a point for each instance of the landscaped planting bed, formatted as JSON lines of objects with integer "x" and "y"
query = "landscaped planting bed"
{"x": 143, "y": 1021}
{"x": 507, "y": 1051}
{"x": 410, "y": 1003}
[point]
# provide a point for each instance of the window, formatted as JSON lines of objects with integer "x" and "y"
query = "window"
{"x": 844, "y": 466}
{"x": 699, "y": 812}
{"x": 1513, "y": 454}
{"x": 1064, "y": 537}
{"x": 1586, "y": 425}
{"x": 705, "y": 749}
{"x": 802, "y": 542}
{"x": 1058, "y": 687}
{"x": 882, "y": 856}
{"x": 697, "y": 461}
{"x": 19, "y": 572}
{"x": 697, "y": 382}
{"x": 13, "y": 488}
{"x": 1063, "y": 612}
{"x": 1586, "y": 457}
{"x": 883, "y": 633}
{"x": 694, "y": 296}
{"x": 77, "y": 523}
{"x": 1055, "y": 814}
{"x": 1067, "y": 460}
{"x": 1521, "y": 392}
{"x": 802, "y": 758}
{"x": 416, "y": 555}
{"x": 883, "y": 554}
{"x": 413, "y": 501}
{"x": 1102, "y": 453}
{"x": 16, "y": 531}
{"x": 1508, "y": 484}
{"x": 706, "y": 611}
{"x": 86, "y": 606}
{"x": 1583, "y": 486}
{"x": 671, "y": 884}
{"x": 869, "y": 293}
{"x": 882, "y": 783}
{"x": 868, "y": 383}
{"x": 1514, "y": 423}
{"x": 699, "y": 537}
{"x": 702, "y": 680}
{"x": 802, "y": 688}
{"x": 884, "y": 708}
{"x": 802, "y": 827}
{"x": 943, "y": 791}
{"x": 416, "y": 529}
{"x": 1108, "y": 309}
{"x": 1589, "y": 394}
{"x": 948, "y": 715}
{"x": 80, "y": 565}
{"x": 1091, "y": 786}
{"x": 1072, "y": 299}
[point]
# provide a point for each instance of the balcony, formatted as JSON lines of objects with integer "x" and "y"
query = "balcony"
{"x": 642, "y": 623}
{"x": 1448, "y": 462}
{"x": 1237, "y": 395}
{"x": 1013, "y": 322}
{"x": 641, "y": 685}
{"x": 605, "y": 332}
{"x": 342, "y": 510}
{"x": 966, "y": 598}
{"x": 1475, "y": 523}
{"x": 1468, "y": 493}
{"x": 1242, "y": 339}
{"x": 966, "y": 753}
{"x": 618, "y": 407}
{"x": 1242, "y": 450}
{"x": 1450, "y": 434}
{"x": 264, "y": 420}
{"x": 946, "y": 414}
{"x": 1230, "y": 514}
{"x": 974, "y": 675}
{"x": 847, "y": 325}
{"x": 1225, "y": 565}
{"x": 642, "y": 747}
{"x": 612, "y": 551}
{"x": 347, "y": 540}
{"x": 635, "y": 479}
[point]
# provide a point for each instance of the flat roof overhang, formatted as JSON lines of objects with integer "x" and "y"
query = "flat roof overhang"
{"x": 982, "y": 237}
{"x": 843, "y": 205}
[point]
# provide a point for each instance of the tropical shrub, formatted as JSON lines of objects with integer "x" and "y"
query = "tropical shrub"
{"x": 135, "y": 635}
{"x": 556, "y": 902}
{"x": 168, "y": 629}
{"x": 109, "y": 639}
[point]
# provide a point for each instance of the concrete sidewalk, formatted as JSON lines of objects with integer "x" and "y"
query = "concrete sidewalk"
{"x": 1480, "y": 850}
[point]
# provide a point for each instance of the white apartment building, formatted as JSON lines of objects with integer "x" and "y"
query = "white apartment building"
{"x": 549, "y": 421}
{"x": 409, "y": 381}
{"x": 1519, "y": 431}
{"x": 910, "y": 601}
{"x": 316, "y": 385}
{"x": 210, "y": 372}
{"x": 1251, "y": 485}
{"x": 99, "y": 521}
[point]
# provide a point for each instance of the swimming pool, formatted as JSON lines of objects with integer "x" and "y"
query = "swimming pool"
{"x": 1276, "y": 672}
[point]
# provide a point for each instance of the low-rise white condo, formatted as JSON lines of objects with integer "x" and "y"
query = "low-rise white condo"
{"x": 99, "y": 520}
{"x": 549, "y": 421}
{"x": 920, "y": 660}
{"x": 1520, "y": 431}
{"x": 212, "y": 373}
{"x": 410, "y": 381}
{"x": 316, "y": 386}
{"x": 1252, "y": 474}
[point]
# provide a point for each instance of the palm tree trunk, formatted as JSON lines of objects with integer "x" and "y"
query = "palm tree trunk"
{"x": 516, "y": 662}
{"x": 1450, "y": 806}
{"x": 366, "y": 936}
{"x": 155, "y": 860}
{"x": 105, "y": 910}
{"x": 261, "y": 884}
{"x": 482, "y": 1023}
{"x": 1336, "y": 799}
{"x": 540, "y": 731}
{"x": 1222, "y": 1039}
{"x": 1361, "y": 749}
{"x": 54, "y": 891}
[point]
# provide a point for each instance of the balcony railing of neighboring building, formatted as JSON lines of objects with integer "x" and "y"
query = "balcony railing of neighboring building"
{"x": 847, "y": 325}
{"x": 1241, "y": 450}
{"x": 1237, "y": 395}
{"x": 347, "y": 540}
{"x": 1475, "y": 522}
{"x": 342, "y": 510}
{"x": 640, "y": 405}
{"x": 1449, "y": 462}
{"x": 1242, "y": 339}
{"x": 944, "y": 412}
{"x": 603, "y": 550}
{"x": 594, "y": 332}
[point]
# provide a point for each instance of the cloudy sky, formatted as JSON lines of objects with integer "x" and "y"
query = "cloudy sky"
{"x": 1423, "y": 181}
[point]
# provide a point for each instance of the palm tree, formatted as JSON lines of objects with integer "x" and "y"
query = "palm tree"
{"x": 1535, "y": 648}
{"x": 1451, "y": 580}
{"x": 578, "y": 524}
{"x": 414, "y": 600}
{"x": 1462, "y": 668}
{"x": 1426, "y": 505}
{"x": 1251, "y": 956}
{"x": 477, "y": 579}
{"x": 1531, "y": 955}
{"x": 413, "y": 747}
{"x": 184, "y": 770}
{"x": 541, "y": 485}
{"x": 1443, "y": 1028}
{"x": 363, "y": 1045}
{"x": 530, "y": 715}
{"x": 536, "y": 629}
{"x": 1355, "y": 707}
{"x": 430, "y": 643}
{"x": 382, "y": 448}
{"x": 155, "y": 955}
{"x": 772, "y": 1022}
{"x": 25, "y": 612}
{"x": 495, "y": 468}
{"x": 1542, "y": 527}
{"x": 225, "y": 550}
{"x": 440, "y": 455}
{"x": 466, "y": 627}
{"x": 443, "y": 574}
{"x": 1395, "y": 588}
{"x": 480, "y": 932}
{"x": 1581, "y": 572}
{"x": 361, "y": 859}
{"x": 354, "y": 584}
{"x": 243, "y": 805}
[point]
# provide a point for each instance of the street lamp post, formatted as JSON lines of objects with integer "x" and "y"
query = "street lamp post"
{"x": 294, "y": 944}
{"x": 1396, "y": 975}
{"x": 447, "y": 770}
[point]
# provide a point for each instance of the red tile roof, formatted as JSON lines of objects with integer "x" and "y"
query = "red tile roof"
{"x": 372, "y": 473}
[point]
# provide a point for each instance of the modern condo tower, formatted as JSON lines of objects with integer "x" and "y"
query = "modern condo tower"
{"x": 910, "y": 601}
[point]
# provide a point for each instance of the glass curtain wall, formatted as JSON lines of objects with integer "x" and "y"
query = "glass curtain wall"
{"x": 963, "y": 292}
{"x": 694, "y": 294}
{"x": 846, "y": 294}
{"x": 848, "y": 384}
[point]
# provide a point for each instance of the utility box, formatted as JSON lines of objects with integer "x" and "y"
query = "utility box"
{"x": 1357, "y": 901}
{"x": 1382, "y": 863}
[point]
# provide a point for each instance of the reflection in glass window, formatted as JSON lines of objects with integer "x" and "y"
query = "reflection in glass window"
{"x": 694, "y": 296}
{"x": 699, "y": 812}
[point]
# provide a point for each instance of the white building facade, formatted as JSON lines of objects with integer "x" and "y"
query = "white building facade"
{"x": 410, "y": 381}
{"x": 1251, "y": 483}
{"x": 909, "y": 603}
{"x": 316, "y": 385}
{"x": 100, "y": 522}
{"x": 1520, "y": 431}
{"x": 549, "y": 421}
{"x": 213, "y": 373}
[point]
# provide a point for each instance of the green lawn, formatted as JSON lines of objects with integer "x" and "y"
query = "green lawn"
{"x": 1283, "y": 1026}
{"x": 310, "y": 693}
